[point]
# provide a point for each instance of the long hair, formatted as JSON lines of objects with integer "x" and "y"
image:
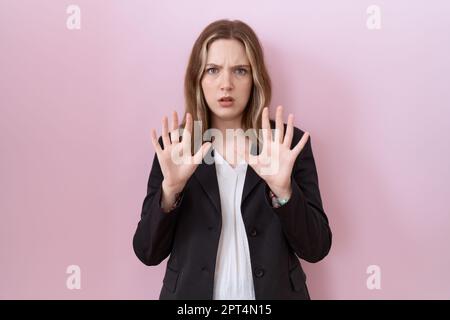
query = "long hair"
{"x": 261, "y": 93}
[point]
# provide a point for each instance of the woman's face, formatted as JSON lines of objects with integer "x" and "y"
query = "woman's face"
{"x": 227, "y": 73}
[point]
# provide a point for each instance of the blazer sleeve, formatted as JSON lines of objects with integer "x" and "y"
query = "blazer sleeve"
{"x": 303, "y": 218}
{"x": 153, "y": 239}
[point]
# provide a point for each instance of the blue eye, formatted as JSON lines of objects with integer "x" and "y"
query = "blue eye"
{"x": 242, "y": 71}
{"x": 239, "y": 71}
{"x": 209, "y": 69}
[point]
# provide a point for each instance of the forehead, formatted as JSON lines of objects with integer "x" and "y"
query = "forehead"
{"x": 227, "y": 51}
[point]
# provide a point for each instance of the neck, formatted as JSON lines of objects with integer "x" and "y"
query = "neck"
{"x": 228, "y": 148}
{"x": 223, "y": 125}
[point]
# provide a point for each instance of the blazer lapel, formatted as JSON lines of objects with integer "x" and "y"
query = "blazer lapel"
{"x": 206, "y": 175}
{"x": 251, "y": 180}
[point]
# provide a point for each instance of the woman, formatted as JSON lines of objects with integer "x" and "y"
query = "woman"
{"x": 233, "y": 226}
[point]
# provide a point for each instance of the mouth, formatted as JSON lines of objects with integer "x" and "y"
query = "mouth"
{"x": 226, "y": 101}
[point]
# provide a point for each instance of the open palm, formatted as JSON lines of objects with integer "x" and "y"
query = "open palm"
{"x": 176, "y": 160}
{"x": 275, "y": 162}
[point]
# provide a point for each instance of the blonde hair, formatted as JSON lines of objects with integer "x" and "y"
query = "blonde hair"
{"x": 261, "y": 92}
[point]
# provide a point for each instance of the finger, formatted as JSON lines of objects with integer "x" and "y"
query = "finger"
{"x": 300, "y": 144}
{"x": 201, "y": 152}
{"x": 186, "y": 140}
{"x": 248, "y": 157}
{"x": 289, "y": 131}
{"x": 155, "y": 142}
{"x": 165, "y": 132}
{"x": 175, "y": 134}
{"x": 267, "y": 134}
{"x": 279, "y": 125}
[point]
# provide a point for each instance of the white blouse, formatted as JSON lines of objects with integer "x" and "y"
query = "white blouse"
{"x": 233, "y": 275}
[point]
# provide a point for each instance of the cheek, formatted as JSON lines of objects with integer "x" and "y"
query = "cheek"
{"x": 246, "y": 88}
{"x": 206, "y": 87}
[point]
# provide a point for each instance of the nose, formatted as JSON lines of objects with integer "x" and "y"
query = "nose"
{"x": 226, "y": 83}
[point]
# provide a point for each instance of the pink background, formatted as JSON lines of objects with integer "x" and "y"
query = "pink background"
{"x": 77, "y": 107}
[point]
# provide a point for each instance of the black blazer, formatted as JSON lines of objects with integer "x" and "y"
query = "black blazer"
{"x": 276, "y": 236}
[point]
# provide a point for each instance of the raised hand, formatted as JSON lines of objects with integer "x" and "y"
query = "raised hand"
{"x": 176, "y": 160}
{"x": 275, "y": 162}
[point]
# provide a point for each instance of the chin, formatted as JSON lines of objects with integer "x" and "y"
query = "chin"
{"x": 227, "y": 113}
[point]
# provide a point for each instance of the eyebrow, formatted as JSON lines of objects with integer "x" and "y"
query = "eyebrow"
{"x": 236, "y": 66}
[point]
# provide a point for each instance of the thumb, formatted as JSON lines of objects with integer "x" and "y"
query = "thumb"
{"x": 201, "y": 152}
{"x": 246, "y": 153}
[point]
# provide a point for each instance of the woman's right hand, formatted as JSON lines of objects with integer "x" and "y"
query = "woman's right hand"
{"x": 177, "y": 171}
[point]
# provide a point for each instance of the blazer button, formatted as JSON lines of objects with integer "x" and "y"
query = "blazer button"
{"x": 210, "y": 228}
{"x": 253, "y": 233}
{"x": 204, "y": 269}
{"x": 259, "y": 273}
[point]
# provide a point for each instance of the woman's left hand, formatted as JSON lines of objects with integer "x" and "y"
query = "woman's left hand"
{"x": 275, "y": 162}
